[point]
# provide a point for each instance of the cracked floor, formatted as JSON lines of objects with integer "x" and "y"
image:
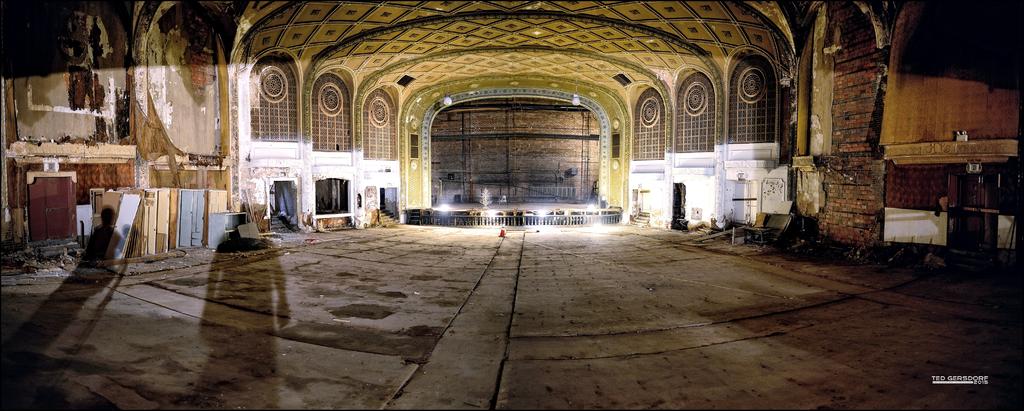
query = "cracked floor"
{"x": 605, "y": 317}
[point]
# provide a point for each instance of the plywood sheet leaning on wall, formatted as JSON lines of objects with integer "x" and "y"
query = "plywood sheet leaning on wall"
{"x": 216, "y": 202}
{"x": 147, "y": 231}
{"x": 112, "y": 200}
{"x": 163, "y": 210}
{"x": 127, "y": 210}
{"x": 172, "y": 218}
{"x": 96, "y": 199}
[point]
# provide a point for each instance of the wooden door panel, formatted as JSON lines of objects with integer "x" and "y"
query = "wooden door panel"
{"x": 198, "y": 220}
{"x": 51, "y": 208}
{"x": 37, "y": 210}
{"x": 185, "y": 218}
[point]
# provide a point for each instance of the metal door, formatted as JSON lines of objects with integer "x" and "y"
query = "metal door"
{"x": 51, "y": 208}
{"x": 191, "y": 218}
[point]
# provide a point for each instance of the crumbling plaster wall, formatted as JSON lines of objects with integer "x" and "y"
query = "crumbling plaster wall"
{"x": 823, "y": 44}
{"x": 65, "y": 80}
{"x": 262, "y": 162}
{"x": 852, "y": 176}
{"x": 180, "y": 75}
{"x": 68, "y": 71}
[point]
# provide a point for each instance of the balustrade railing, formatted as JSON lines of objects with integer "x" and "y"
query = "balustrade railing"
{"x": 569, "y": 218}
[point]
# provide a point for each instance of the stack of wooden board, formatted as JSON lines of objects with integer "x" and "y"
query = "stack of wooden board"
{"x": 147, "y": 220}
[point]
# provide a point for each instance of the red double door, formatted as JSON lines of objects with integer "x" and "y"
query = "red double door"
{"x": 51, "y": 208}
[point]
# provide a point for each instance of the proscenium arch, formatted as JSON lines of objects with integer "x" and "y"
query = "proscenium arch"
{"x": 435, "y": 106}
{"x": 369, "y": 83}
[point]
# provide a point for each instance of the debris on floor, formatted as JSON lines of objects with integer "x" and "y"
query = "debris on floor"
{"x": 237, "y": 245}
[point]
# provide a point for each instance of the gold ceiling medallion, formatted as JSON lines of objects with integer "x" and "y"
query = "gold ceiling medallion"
{"x": 272, "y": 84}
{"x": 752, "y": 85}
{"x": 696, "y": 97}
{"x": 330, "y": 100}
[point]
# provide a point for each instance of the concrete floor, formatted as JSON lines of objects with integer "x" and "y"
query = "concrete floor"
{"x": 412, "y": 317}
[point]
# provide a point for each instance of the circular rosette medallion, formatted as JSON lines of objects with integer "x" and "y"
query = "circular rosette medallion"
{"x": 696, "y": 98}
{"x": 330, "y": 100}
{"x": 379, "y": 112}
{"x": 650, "y": 112}
{"x": 752, "y": 85}
{"x": 272, "y": 84}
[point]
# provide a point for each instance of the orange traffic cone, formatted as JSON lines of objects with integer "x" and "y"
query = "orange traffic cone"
{"x": 502, "y": 233}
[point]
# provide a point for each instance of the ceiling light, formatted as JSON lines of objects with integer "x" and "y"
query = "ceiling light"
{"x": 447, "y": 100}
{"x": 575, "y": 99}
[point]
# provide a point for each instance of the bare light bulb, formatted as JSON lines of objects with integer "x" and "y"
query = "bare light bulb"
{"x": 447, "y": 100}
{"x": 575, "y": 99}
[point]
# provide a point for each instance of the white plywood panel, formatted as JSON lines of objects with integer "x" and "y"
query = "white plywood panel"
{"x": 125, "y": 218}
{"x": 1005, "y": 232}
{"x": 83, "y": 220}
{"x": 915, "y": 226}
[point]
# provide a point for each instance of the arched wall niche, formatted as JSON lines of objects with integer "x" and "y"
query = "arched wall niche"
{"x": 273, "y": 99}
{"x": 753, "y": 109}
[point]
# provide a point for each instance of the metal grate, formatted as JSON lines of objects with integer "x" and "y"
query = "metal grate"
{"x": 752, "y": 99}
{"x": 379, "y": 126}
{"x": 330, "y": 129}
{"x": 272, "y": 95}
{"x": 649, "y": 135}
{"x": 695, "y": 115}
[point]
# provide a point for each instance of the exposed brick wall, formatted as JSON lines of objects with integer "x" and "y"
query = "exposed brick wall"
{"x": 516, "y": 160}
{"x": 854, "y": 177}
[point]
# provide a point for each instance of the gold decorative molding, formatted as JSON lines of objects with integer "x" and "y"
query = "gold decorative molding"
{"x": 952, "y": 152}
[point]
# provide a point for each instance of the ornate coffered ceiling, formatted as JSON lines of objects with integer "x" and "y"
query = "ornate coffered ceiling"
{"x": 497, "y": 62}
{"x": 512, "y": 37}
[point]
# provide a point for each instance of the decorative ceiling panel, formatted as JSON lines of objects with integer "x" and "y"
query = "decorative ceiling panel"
{"x": 703, "y": 23}
{"x": 508, "y": 38}
{"x": 497, "y": 63}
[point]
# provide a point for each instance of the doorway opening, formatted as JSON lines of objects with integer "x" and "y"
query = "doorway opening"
{"x": 332, "y": 196}
{"x": 389, "y": 202}
{"x": 679, "y": 206}
{"x": 283, "y": 215}
{"x": 974, "y": 211}
{"x": 744, "y": 198}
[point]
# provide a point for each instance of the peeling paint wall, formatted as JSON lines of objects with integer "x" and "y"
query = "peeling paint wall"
{"x": 826, "y": 43}
{"x": 70, "y": 79}
{"x": 180, "y": 74}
